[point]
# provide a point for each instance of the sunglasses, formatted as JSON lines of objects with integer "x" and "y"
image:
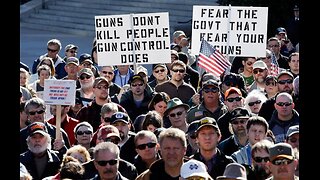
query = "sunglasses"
{"x": 104, "y": 87}
{"x": 214, "y": 90}
{"x": 176, "y": 70}
{"x": 278, "y": 162}
{"x": 234, "y": 99}
{"x": 144, "y": 146}
{"x": 82, "y": 77}
{"x": 83, "y": 132}
{"x": 38, "y": 112}
{"x": 289, "y": 81}
{"x": 270, "y": 83}
{"x": 176, "y": 114}
{"x": 107, "y": 72}
{"x": 258, "y": 70}
{"x": 260, "y": 159}
{"x": 273, "y": 45}
{"x": 253, "y": 103}
{"x": 52, "y": 50}
{"x": 283, "y": 103}
{"x": 235, "y": 122}
{"x": 134, "y": 85}
{"x": 73, "y": 52}
{"x": 160, "y": 70}
{"x": 110, "y": 162}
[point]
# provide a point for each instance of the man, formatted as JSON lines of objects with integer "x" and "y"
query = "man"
{"x": 292, "y": 136}
{"x": 85, "y": 61}
{"x": 194, "y": 169}
{"x": 91, "y": 113}
{"x": 260, "y": 156}
{"x": 122, "y": 75}
{"x": 72, "y": 69}
{"x": 234, "y": 171}
{"x": 274, "y": 45}
{"x": 53, "y": 47}
{"x": 211, "y": 104}
{"x": 39, "y": 160}
{"x": 143, "y": 72}
{"x": 123, "y": 123}
{"x": 176, "y": 87}
{"x": 256, "y": 131}
{"x": 177, "y": 113}
{"x": 260, "y": 72}
{"x": 35, "y": 109}
{"x": 239, "y": 138}
{"x": 285, "y": 84}
{"x": 108, "y": 73}
{"x": 147, "y": 147}
{"x": 173, "y": 145}
{"x": 106, "y": 160}
{"x": 70, "y": 50}
{"x": 159, "y": 72}
{"x": 294, "y": 64}
{"x": 137, "y": 99}
{"x": 232, "y": 99}
{"x": 208, "y": 137}
{"x": 283, "y": 117}
{"x": 191, "y": 76}
{"x": 192, "y": 138}
{"x": 282, "y": 162}
{"x": 85, "y": 92}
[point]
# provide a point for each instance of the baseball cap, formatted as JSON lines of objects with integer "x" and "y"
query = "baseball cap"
{"x": 232, "y": 90}
{"x": 85, "y": 57}
{"x": 178, "y": 33}
{"x": 159, "y": 65}
{"x": 234, "y": 171}
{"x": 70, "y": 46}
{"x": 37, "y": 127}
{"x": 213, "y": 82}
{"x": 281, "y": 150}
{"x": 135, "y": 77}
{"x": 99, "y": 80}
{"x": 85, "y": 71}
{"x": 119, "y": 116}
{"x": 107, "y": 131}
{"x": 259, "y": 64}
{"x": 72, "y": 60}
{"x": 293, "y": 130}
{"x": 192, "y": 128}
{"x": 283, "y": 73}
{"x": 194, "y": 168}
{"x": 207, "y": 121}
{"x": 174, "y": 103}
{"x": 238, "y": 113}
{"x": 141, "y": 69}
{"x": 281, "y": 30}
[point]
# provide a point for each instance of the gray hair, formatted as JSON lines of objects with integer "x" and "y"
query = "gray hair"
{"x": 106, "y": 146}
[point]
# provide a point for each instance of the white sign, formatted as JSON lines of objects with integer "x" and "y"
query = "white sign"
{"x": 235, "y": 31}
{"x": 59, "y": 92}
{"x": 123, "y": 38}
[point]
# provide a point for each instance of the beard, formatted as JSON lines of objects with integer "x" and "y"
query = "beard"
{"x": 260, "y": 172}
{"x": 38, "y": 148}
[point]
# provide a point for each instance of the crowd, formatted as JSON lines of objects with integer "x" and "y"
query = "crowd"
{"x": 172, "y": 124}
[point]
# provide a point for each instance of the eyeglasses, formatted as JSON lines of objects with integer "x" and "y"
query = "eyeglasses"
{"x": 104, "y": 87}
{"x": 144, "y": 146}
{"x": 176, "y": 114}
{"x": 236, "y": 122}
{"x": 176, "y": 70}
{"x": 284, "y": 103}
{"x": 52, "y": 50}
{"x": 273, "y": 45}
{"x": 258, "y": 70}
{"x": 107, "y": 72}
{"x": 84, "y": 132}
{"x": 134, "y": 85}
{"x": 260, "y": 159}
{"x": 110, "y": 162}
{"x": 114, "y": 140}
{"x": 278, "y": 162}
{"x": 160, "y": 70}
{"x": 82, "y": 77}
{"x": 253, "y": 103}
{"x": 273, "y": 83}
{"x": 38, "y": 112}
{"x": 214, "y": 90}
{"x": 289, "y": 81}
{"x": 234, "y": 99}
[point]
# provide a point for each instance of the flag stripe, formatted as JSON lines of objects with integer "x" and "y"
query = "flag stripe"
{"x": 212, "y": 60}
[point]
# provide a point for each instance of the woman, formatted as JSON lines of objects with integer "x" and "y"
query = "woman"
{"x": 254, "y": 101}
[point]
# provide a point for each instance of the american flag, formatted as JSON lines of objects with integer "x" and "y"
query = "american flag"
{"x": 212, "y": 60}
{"x": 274, "y": 70}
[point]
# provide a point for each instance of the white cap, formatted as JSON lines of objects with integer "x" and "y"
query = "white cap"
{"x": 194, "y": 168}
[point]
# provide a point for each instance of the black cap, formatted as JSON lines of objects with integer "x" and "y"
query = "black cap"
{"x": 37, "y": 127}
{"x": 239, "y": 112}
{"x": 119, "y": 116}
{"x": 85, "y": 57}
{"x": 135, "y": 77}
